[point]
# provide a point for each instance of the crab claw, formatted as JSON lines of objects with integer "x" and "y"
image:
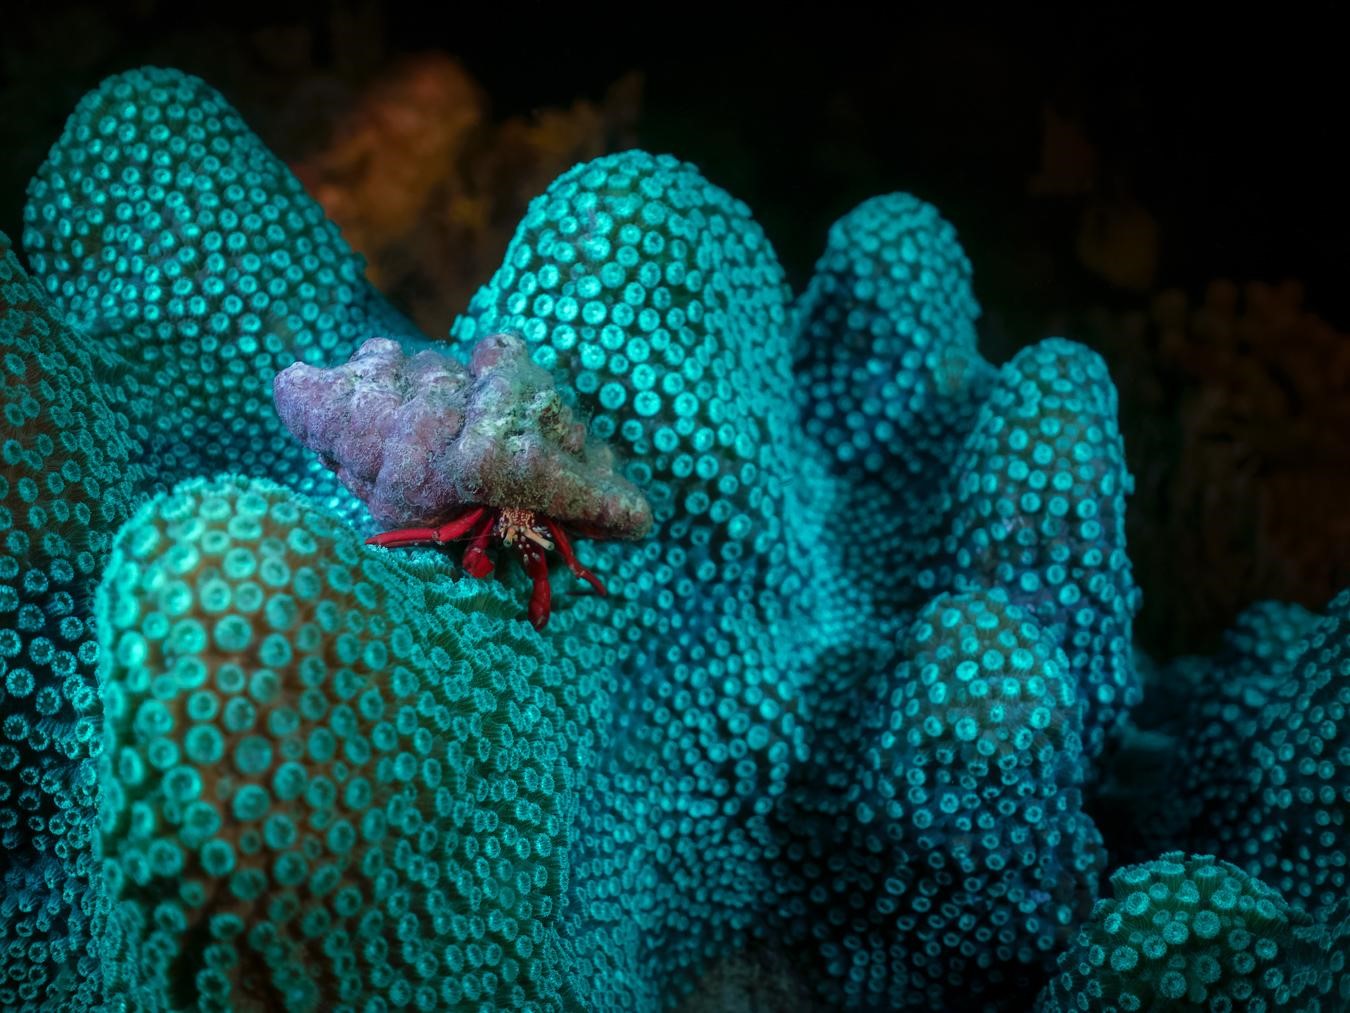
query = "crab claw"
{"x": 522, "y": 529}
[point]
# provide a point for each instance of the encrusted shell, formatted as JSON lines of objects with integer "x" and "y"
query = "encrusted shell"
{"x": 419, "y": 439}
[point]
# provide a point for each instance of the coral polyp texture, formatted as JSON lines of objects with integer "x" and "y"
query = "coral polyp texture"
{"x": 65, "y": 485}
{"x": 1195, "y": 933}
{"x": 844, "y": 715}
{"x": 329, "y": 773}
{"x": 165, "y": 232}
{"x": 951, "y": 822}
{"x": 1255, "y": 742}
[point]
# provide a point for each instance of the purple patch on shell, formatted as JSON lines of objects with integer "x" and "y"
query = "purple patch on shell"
{"x": 421, "y": 439}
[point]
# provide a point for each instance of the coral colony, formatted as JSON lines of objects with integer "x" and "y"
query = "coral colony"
{"x": 861, "y": 681}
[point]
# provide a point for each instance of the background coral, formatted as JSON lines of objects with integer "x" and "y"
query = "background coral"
{"x": 429, "y": 186}
{"x": 378, "y": 177}
{"x": 1237, "y": 400}
{"x": 1194, "y": 933}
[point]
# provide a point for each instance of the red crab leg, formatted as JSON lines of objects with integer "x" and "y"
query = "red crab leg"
{"x": 447, "y": 532}
{"x": 537, "y": 567}
{"x": 570, "y": 557}
{"x": 475, "y": 556}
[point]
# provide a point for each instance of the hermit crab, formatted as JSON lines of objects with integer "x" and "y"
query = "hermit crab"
{"x": 490, "y": 454}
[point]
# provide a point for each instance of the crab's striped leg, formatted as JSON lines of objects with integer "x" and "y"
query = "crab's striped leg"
{"x": 570, "y": 557}
{"x": 446, "y": 532}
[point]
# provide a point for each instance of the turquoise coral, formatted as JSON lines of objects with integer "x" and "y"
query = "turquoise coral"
{"x": 632, "y": 235}
{"x": 946, "y": 817}
{"x": 986, "y": 477}
{"x": 1195, "y": 933}
{"x": 64, "y": 487}
{"x": 330, "y": 773}
{"x": 167, "y": 234}
{"x": 1294, "y": 829}
{"x": 1252, "y": 747}
{"x": 848, "y": 699}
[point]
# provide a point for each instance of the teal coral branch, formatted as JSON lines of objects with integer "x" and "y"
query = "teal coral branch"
{"x": 1029, "y": 497}
{"x": 851, "y": 701}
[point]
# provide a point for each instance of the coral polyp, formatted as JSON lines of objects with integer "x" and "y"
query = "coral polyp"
{"x": 862, "y": 678}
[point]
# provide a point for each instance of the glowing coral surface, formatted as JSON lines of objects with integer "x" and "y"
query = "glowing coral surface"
{"x": 846, "y": 701}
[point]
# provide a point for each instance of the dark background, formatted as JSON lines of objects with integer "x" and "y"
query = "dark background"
{"x": 1224, "y": 135}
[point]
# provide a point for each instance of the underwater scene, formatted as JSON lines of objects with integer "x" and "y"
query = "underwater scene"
{"x": 493, "y": 526}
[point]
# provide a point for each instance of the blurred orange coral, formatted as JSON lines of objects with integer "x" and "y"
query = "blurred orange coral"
{"x": 429, "y": 188}
{"x": 1236, "y": 410}
{"x": 1069, "y": 160}
{"x": 405, "y": 136}
{"x": 1118, "y": 241}
{"x": 1117, "y": 238}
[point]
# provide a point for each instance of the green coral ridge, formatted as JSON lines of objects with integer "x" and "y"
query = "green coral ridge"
{"x": 1196, "y": 933}
{"x": 847, "y": 708}
{"x": 330, "y": 774}
{"x": 168, "y": 235}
